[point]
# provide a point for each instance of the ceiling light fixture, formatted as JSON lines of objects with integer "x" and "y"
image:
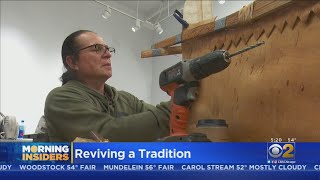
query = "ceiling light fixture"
{"x": 222, "y": 1}
{"x": 107, "y": 13}
{"x": 157, "y": 25}
{"x": 158, "y": 28}
{"x": 137, "y": 26}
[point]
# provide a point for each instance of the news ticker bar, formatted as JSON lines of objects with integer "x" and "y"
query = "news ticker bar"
{"x": 160, "y": 167}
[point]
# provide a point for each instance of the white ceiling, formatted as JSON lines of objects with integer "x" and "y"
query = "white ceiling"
{"x": 147, "y": 8}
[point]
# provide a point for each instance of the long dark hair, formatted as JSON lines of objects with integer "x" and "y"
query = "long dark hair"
{"x": 69, "y": 48}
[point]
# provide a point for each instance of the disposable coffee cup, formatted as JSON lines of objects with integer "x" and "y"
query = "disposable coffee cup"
{"x": 215, "y": 129}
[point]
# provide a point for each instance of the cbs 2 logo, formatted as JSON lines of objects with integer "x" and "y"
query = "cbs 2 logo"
{"x": 281, "y": 150}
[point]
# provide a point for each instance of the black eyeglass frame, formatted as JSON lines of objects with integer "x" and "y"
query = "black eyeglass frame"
{"x": 109, "y": 49}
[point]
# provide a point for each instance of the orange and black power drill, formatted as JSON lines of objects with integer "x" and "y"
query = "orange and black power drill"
{"x": 180, "y": 81}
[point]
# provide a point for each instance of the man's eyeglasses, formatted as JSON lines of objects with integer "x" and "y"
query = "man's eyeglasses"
{"x": 100, "y": 49}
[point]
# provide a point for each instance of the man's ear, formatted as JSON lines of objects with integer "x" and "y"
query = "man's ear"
{"x": 72, "y": 63}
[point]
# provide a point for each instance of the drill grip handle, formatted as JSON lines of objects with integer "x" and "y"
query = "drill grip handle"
{"x": 179, "y": 120}
{"x": 181, "y": 99}
{"x": 186, "y": 94}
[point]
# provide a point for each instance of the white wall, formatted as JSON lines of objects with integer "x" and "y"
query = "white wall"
{"x": 32, "y": 33}
{"x": 172, "y": 27}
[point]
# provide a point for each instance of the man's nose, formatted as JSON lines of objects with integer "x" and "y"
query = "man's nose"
{"x": 107, "y": 54}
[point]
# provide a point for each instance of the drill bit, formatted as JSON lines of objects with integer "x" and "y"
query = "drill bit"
{"x": 246, "y": 49}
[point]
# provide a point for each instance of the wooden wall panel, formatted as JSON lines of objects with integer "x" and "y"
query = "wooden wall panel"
{"x": 270, "y": 91}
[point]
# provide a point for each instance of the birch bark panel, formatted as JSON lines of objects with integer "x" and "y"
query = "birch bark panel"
{"x": 206, "y": 9}
{"x": 195, "y": 11}
{"x": 192, "y": 11}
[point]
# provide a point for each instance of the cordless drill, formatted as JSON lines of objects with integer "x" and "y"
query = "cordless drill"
{"x": 180, "y": 81}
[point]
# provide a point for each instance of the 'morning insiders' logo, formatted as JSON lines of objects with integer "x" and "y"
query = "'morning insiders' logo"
{"x": 45, "y": 152}
{"x": 281, "y": 151}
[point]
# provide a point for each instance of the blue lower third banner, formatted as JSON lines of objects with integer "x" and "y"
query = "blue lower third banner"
{"x": 160, "y": 157}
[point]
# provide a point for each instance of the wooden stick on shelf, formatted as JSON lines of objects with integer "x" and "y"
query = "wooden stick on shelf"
{"x": 161, "y": 52}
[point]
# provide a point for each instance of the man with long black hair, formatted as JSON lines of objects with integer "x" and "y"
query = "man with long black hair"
{"x": 85, "y": 103}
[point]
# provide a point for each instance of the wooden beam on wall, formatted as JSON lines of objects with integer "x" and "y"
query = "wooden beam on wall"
{"x": 161, "y": 52}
